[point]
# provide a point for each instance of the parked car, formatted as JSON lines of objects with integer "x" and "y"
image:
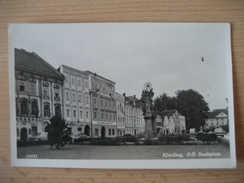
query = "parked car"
{"x": 41, "y": 137}
{"x": 78, "y": 137}
{"x": 219, "y": 132}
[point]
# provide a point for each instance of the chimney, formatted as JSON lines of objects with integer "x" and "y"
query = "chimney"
{"x": 134, "y": 96}
{"x": 124, "y": 94}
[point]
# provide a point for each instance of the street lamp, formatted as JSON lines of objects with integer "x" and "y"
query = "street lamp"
{"x": 91, "y": 106}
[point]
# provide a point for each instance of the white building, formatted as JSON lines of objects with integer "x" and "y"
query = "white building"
{"x": 39, "y": 90}
{"x": 76, "y": 100}
{"x": 172, "y": 122}
{"x": 103, "y": 106}
{"x": 135, "y": 123}
{"x": 120, "y": 105}
{"x": 217, "y": 118}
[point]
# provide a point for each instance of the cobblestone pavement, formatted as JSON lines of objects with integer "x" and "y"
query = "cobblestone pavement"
{"x": 125, "y": 152}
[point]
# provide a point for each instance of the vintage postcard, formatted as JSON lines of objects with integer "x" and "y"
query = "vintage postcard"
{"x": 122, "y": 95}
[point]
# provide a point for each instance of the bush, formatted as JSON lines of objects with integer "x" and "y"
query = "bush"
{"x": 112, "y": 141}
{"x": 139, "y": 136}
{"x": 130, "y": 139}
{"x": 200, "y": 135}
{"x": 173, "y": 139}
{"x": 149, "y": 141}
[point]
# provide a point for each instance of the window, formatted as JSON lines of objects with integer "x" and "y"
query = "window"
{"x": 95, "y": 102}
{"x": 106, "y": 116}
{"x": 79, "y": 83}
{"x": 66, "y": 79}
{"x": 113, "y": 131}
{"x": 87, "y": 100}
{"x": 96, "y": 132}
{"x": 80, "y": 98}
{"x": 73, "y": 81}
{"x": 56, "y": 94}
{"x": 109, "y": 132}
{"x": 73, "y": 96}
{"x": 45, "y": 91}
{"x": 68, "y": 112}
{"x": 21, "y": 88}
{"x": 33, "y": 88}
{"x": 81, "y": 114}
{"x": 46, "y": 110}
{"x": 95, "y": 114}
{"x": 74, "y": 111}
{"x": 86, "y": 84}
{"x": 24, "y": 107}
{"x": 67, "y": 95}
{"x": 87, "y": 114}
{"x": 102, "y": 103}
{"x": 58, "y": 110}
{"x": 102, "y": 115}
{"x": 34, "y": 108}
{"x": 79, "y": 129}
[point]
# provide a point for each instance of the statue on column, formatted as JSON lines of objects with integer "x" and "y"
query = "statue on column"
{"x": 148, "y": 111}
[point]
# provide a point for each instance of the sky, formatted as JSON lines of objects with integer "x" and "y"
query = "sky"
{"x": 169, "y": 55}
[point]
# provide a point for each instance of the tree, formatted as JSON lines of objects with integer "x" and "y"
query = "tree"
{"x": 164, "y": 102}
{"x": 56, "y": 131}
{"x": 189, "y": 103}
{"x": 192, "y": 105}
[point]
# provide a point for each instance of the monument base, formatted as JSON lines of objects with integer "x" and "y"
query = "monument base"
{"x": 148, "y": 135}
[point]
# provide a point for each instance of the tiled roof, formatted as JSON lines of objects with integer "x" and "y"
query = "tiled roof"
{"x": 132, "y": 99}
{"x": 33, "y": 63}
{"x": 216, "y": 112}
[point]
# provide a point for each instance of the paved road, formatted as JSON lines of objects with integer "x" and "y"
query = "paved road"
{"x": 126, "y": 152}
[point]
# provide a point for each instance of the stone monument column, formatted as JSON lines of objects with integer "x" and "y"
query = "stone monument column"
{"x": 147, "y": 95}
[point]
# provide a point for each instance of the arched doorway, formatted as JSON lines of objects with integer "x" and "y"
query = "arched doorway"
{"x": 87, "y": 130}
{"x": 23, "y": 134}
{"x": 103, "y": 132}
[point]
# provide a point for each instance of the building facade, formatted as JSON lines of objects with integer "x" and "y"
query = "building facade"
{"x": 120, "y": 105}
{"x": 39, "y": 90}
{"x": 76, "y": 99}
{"x": 134, "y": 121}
{"x": 172, "y": 122}
{"x": 217, "y": 118}
{"x": 103, "y": 106}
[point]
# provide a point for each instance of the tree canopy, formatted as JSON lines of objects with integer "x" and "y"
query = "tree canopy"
{"x": 189, "y": 103}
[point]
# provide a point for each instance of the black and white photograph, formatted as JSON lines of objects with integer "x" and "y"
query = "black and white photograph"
{"x": 122, "y": 95}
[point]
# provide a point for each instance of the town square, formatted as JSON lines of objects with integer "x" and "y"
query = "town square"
{"x": 119, "y": 99}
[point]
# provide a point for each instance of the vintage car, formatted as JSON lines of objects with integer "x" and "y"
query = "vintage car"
{"x": 41, "y": 137}
{"x": 78, "y": 137}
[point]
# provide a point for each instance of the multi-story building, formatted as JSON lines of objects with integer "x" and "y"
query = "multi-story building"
{"x": 103, "y": 106}
{"x": 120, "y": 104}
{"x": 76, "y": 100}
{"x": 39, "y": 90}
{"x": 135, "y": 123}
{"x": 217, "y": 118}
{"x": 172, "y": 122}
